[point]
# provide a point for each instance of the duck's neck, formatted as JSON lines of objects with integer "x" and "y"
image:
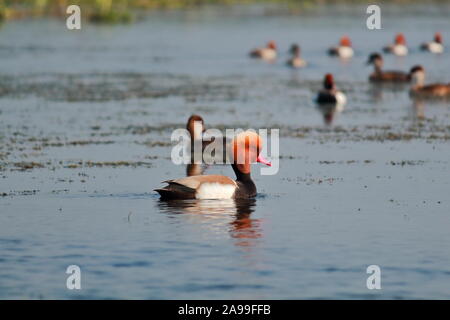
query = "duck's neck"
{"x": 378, "y": 65}
{"x": 240, "y": 176}
{"x": 195, "y": 129}
{"x": 330, "y": 87}
{"x": 417, "y": 80}
{"x": 377, "y": 68}
{"x": 246, "y": 186}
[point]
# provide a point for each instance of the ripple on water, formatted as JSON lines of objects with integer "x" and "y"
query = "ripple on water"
{"x": 132, "y": 264}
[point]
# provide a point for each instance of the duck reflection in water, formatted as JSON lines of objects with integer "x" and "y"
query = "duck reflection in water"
{"x": 378, "y": 90}
{"x": 329, "y": 112}
{"x": 418, "y": 107}
{"x": 232, "y": 216}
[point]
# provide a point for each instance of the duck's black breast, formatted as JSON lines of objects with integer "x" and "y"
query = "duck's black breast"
{"x": 333, "y": 51}
{"x": 245, "y": 189}
{"x": 387, "y": 49}
{"x": 424, "y": 46}
{"x": 326, "y": 97}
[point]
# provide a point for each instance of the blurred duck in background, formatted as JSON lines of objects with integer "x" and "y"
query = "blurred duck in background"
{"x": 385, "y": 76}
{"x": 435, "y": 46}
{"x": 295, "y": 61}
{"x": 420, "y": 90}
{"x": 196, "y": 128}
{"x": 329, "y": 94}
{"x": 269, "y": 53}
{"x": 344, "y": 50}
{"x": 399, "y": 47}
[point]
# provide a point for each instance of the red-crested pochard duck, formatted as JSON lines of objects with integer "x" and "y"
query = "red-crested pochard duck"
{"x": 385, "y": 76}
{"x": 399, "y": 47}
{"x": 420, "y": 90}
{"x": 295, "y": 61}
{"x": 329, "y": 94}
{"x": 268, "y": 53}
{"x": 435, "y": 46}
{"x": 246, "y": 148}
{"x": 344, "y": 50}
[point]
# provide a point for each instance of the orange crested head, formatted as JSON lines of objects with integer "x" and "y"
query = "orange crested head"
{"x": 328, "y": 81}
{"x": 345, "y": 42}
{"x": 246, "y": 147}
{"x": 438, "y": 37}
{"x": 272, "y": 45}
{"x": 400, "y": 39}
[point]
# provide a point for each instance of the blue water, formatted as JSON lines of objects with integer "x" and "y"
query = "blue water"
{"x": 346, "y": 195}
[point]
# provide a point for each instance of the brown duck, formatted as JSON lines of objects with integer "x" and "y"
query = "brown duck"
{"x": 430, "y": 91}
{"x": 385, "y": 76}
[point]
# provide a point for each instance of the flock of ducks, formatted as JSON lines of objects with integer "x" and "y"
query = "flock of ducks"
{"x": 344, "y": 50}
{"x": 248, "y": 145}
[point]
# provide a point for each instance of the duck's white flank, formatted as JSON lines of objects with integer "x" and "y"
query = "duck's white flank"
{"x": 298, "y": 62}
{"x": 268, "y": 54}
{"x": 341, "y": 99}
{"x": 435, "y": 47}
{"x": 345, "y": 52}
{"x": 215, "y": 190}
{"x": 400, "y": 50}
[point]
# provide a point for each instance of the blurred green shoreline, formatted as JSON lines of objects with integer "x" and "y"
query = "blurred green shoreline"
{"x": 125, "y": 11}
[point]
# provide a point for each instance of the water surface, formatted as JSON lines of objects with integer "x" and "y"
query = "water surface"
{"x": 85, "y": 124}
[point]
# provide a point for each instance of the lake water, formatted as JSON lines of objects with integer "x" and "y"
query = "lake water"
{"x": 85, "y": 124}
